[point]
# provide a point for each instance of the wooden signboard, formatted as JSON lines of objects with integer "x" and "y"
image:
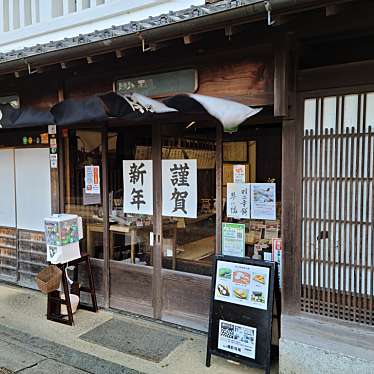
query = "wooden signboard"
{"x": 241, "y": 312}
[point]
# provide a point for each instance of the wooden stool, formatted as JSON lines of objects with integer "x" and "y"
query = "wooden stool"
{"x": 55, "y": 301}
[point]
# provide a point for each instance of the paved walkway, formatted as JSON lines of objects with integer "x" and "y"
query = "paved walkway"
{"x": 32, "y": 345}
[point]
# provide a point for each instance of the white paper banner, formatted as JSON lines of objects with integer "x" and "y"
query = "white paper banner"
{"x": 263, "y": 201}
{"x": 92, "y": 179}
{"x": 179, "y": 188}
{"x": 238, "y": 200}
{"x": 137, "y": 187}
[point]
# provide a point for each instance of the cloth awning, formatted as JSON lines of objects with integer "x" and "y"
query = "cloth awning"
{"x": 102, "y": 107}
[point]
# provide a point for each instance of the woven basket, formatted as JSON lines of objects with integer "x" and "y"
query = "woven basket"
{"x": 49, "y": 279}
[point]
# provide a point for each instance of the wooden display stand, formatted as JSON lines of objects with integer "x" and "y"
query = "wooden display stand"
{"x": 55, "y": 301}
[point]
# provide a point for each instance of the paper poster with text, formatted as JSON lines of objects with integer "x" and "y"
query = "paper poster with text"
{"x": 179, "y": 188}
{"x": 137, "y": 187}
{"x": 92, "y": 179}
{"x": 242, "y": 284}
{"x": 277, "y": 257}
{"x": 238, "y": 200}
{"x": 263, "y": 201}
{"x": 236, "y": 338}
{"x": 233, "y": 239}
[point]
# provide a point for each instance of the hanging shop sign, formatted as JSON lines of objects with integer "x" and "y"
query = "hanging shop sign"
{"x": 92, "y": 179}
{"x": 179, "y": 188}
{"x": 137, "y": 187}
{"x": 263, "y": 201}
{"x": 233, "y": 239}
{"x": 239, "y": 173}
{"x": 240, "y": 320}
{"x": 238, "y": 200}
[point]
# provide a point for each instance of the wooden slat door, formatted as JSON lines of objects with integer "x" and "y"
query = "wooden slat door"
{"x": 338, "y": 207}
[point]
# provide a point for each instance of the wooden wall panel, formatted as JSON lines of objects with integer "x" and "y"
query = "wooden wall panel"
{"x": 245, "y": 81}
{"x": 187, "y": 293}
{"x": 131, "y": 288}
{"x": 39, "y": 92}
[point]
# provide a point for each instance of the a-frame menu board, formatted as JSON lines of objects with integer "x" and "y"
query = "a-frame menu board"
{"x": 240, "y": 321}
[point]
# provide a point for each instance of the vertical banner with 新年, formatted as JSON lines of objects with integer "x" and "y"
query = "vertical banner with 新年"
{"x": 137, "y": 187}
{"x": 179, "y": 188}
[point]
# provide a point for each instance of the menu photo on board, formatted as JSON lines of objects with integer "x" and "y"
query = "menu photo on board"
{"x": 242, "y": 284}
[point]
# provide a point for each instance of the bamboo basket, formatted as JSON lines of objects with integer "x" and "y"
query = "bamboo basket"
{"x": 49, "y": 279}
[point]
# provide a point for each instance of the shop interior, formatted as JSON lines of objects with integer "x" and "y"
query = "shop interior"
{"x": 189, "y": 244}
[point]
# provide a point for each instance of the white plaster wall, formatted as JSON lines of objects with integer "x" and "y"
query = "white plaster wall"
{"x": 87, "y": 20}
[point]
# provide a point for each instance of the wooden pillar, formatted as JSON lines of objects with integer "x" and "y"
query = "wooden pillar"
{"x": 281, "y": 56}
{"x": 291, "y": 193}
{"x": 105, "y": 192}
{"x": 219, "y": 168}
{"x": 157, "y": 221}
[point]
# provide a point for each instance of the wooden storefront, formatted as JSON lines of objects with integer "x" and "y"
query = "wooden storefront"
{"x": 316, "y": 165}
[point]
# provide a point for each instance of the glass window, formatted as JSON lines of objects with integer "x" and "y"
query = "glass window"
{"x": 130, "y": 232}
{"x": 259, "y": 150}
{"x": 83, "y": 148}
{"x": 189, "y": 243}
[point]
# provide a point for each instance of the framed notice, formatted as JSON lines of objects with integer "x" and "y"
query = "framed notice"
{"x": 233, "y": 239}
{"x": 242, "y": 284}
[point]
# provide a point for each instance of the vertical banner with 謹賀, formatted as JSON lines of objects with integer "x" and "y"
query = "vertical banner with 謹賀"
{"x": 179, "y": 188}
{"x": 137, "y": 187}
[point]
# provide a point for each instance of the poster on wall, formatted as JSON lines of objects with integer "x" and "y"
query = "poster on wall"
{"x": 237, "y": 338}
{"x": 242, "y": 284}
{"x": 277, "y": 257}
{"x": 239, "y": 173}
{"x": 263, "y": 201}
{"x": 137, "y": 187}
{"x": 92, "y": 179}
{"x": 233, "y": 239}
{"x": 238, "y": 200}
{"x": 179, "y": 188}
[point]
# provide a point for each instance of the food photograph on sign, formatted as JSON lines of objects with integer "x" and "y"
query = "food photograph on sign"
{"x": 242, "y": 284}
{"x": 236, "y": 338}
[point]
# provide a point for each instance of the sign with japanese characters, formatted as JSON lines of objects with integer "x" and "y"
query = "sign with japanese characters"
{"x": 238, "y": 200}
{"x": 233, "y": 239}
{"x": 137, "y": 187}
{"x": 92, "y": 179}
{"x": 277, "y": 257}
{"x": 239, "y": 173}
{"x": 179, "y": 188}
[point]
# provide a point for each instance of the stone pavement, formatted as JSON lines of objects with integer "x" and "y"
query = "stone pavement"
{"x": 30, "y": 344}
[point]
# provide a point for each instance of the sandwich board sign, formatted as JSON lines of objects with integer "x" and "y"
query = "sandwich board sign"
{"x": 241, "y": 311}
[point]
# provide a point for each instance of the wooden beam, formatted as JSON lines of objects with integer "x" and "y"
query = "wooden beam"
{"x": 281, "y": 52}
{"x": 157, "y": 221}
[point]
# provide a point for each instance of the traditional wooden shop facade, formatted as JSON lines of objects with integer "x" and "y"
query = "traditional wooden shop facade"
{"x": 313, "y": 137}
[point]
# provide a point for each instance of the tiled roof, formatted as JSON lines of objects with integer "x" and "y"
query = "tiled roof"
{"x": 127, "y": 29}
